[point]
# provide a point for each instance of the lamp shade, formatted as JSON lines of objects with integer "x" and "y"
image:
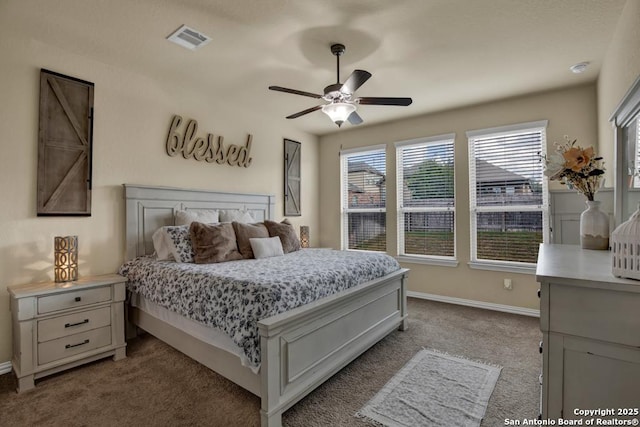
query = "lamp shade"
{"x": 65, "y": 250}
{"x": 304, "y": 236}
{"x": 338, "y": 111}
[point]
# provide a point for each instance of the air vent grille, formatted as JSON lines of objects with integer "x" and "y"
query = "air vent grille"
{"x": 189, "y": 38}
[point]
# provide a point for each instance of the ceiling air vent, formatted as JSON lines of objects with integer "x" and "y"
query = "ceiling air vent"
{"x": 189, "y": 38}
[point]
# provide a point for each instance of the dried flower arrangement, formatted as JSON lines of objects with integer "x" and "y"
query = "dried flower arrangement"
{"x": 576, "y": 167}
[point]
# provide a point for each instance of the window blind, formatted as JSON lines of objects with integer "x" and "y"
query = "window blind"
{"x": 363, "y": 182}
{"x": 508, "y": 193}
{"x": 426, "y": 197}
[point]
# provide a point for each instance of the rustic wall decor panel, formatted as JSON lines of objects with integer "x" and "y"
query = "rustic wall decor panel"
{"x": 65, "y": 141}
{"x": 292, "y": 178}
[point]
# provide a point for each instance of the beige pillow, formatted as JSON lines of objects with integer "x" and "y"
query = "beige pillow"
{"x": 213, "y": 242}
{"x": 285, "y": 231}
{"x": 207, "y": 216}
{"x": 237, "y": 215}
{"x": 244, "y": 232}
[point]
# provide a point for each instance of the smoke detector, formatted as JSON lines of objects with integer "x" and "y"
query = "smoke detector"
{"x": 189, "y": 38}
{"x": 579, "y": 68}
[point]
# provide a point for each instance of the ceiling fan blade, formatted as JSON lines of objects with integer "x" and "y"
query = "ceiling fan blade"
{"x": 355, "y": 80}
{"x": 385, "y": 101}
{"x": 354, "y": 118}
{"x": 295, "y": 92}
{"x": 302, "y": 113}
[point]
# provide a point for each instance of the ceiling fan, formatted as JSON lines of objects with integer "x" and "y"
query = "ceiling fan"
{"x": 342, "y": 104}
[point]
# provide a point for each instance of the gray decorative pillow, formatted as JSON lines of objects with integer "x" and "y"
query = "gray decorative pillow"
{"x": 213, "y": 242}
{"x": 244, "y": 232}
{"x": 179, "y": 242}
{"x": 285, "y": 231}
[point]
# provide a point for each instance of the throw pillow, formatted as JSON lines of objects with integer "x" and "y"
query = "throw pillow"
{"x": 213, "y": 242}
{"x": 244, "y": 232}
{"x": 285, "y": 231}
{"x": 266, "y": 247}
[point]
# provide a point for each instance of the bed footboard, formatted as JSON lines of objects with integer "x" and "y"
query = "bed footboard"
{"x": 304, "y": 347}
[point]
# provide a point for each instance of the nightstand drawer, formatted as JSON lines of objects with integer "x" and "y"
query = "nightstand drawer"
{"x": 73, "y": 299}
{"x": 73, "y": 323}
{"x": 53, "y": 350}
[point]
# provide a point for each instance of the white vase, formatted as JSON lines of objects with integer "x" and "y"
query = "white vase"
{"x": 594, "y": 227}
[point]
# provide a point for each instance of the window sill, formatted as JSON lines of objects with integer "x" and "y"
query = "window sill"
{"x": 502, "y": 266}
{"x": 443, "y": 262}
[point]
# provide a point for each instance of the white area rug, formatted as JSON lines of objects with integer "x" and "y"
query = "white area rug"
{"x": 434, "y": 389}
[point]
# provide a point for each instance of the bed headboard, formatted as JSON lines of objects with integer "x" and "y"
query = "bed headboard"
{"x": 149, "y": 208}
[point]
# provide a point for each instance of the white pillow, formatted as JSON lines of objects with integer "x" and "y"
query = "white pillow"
{"x": 161, "y": 244}
{"x": 206, "y": 216}
{"x": 237, "y": 215}
{"x": 265, "y": 247}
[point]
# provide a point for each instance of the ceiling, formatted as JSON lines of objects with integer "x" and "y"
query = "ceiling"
{"x": 442, "y": 53}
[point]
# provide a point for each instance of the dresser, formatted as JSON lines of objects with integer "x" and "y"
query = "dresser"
{"x": 57, "y": 326}
{"x": 590, "y": 322}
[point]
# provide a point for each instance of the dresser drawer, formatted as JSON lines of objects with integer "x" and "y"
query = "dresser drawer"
{"x": 73, "y": 299}
{"x": 75, "y": 323}
{"x": 71, "y": 345}
{"x": 599, "y": 314}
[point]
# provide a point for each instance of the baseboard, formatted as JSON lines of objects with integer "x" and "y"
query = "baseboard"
{"x": 478, "y": 304}
{"x": 5, "y": 368}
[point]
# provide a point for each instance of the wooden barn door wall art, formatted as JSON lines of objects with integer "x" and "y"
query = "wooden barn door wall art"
{"x": 65, "y": 142}
{"x": 292, "y": 178}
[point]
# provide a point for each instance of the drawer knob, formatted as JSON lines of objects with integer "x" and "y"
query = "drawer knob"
{"x": 78, "y": 299}
{"x": 77, "y": 345}
{"x": 69, "y": 325}
{"x": 538, "y": 293}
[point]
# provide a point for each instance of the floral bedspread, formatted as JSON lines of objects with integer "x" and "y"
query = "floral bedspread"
{"x": 233, "y": 296}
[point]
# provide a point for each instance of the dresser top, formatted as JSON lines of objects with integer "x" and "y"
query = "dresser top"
{"x": 43, "y": 288}
{"x": 580, "y": 267}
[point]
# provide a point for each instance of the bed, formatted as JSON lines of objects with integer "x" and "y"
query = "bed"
{"x": 300, "y": 348}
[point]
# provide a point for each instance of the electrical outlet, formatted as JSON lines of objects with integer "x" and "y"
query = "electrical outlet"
{"x": 508, "y": 285}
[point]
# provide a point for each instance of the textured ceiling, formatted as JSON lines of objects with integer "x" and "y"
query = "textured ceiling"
{"x": 442, "y": 53}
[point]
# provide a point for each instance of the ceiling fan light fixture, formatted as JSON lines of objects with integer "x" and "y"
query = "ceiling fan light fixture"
{"x": 338, "y": 111}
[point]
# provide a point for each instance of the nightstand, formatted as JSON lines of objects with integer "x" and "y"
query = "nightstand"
{"x": 57, "y": 326}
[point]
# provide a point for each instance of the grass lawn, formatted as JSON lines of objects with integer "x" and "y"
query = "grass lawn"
{"x": 520, "y": 246}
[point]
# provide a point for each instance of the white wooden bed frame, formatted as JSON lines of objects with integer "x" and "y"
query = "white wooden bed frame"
{"x": 301, "y": 348}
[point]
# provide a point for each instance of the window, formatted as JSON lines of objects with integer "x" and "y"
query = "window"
{"x": 363, "y": 182}
{"x": 633, "y": 139}
{"x": 426, "y": 198}
{"x": 508, "y": 195}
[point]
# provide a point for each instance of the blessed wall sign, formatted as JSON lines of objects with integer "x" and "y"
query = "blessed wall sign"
{"x": 208, "y": 149}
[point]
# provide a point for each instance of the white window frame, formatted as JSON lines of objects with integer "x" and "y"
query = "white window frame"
{"x": 499, "y": 265}
{"x": 345, "y": 210}
{"x": 448, "y": 261}
{"x": 634, "y": 168}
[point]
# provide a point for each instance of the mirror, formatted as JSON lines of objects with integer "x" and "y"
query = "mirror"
{"x": 626, "y": 123}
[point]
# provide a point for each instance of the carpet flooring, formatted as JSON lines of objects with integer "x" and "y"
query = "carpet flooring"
{"x": 158, "y": 386}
